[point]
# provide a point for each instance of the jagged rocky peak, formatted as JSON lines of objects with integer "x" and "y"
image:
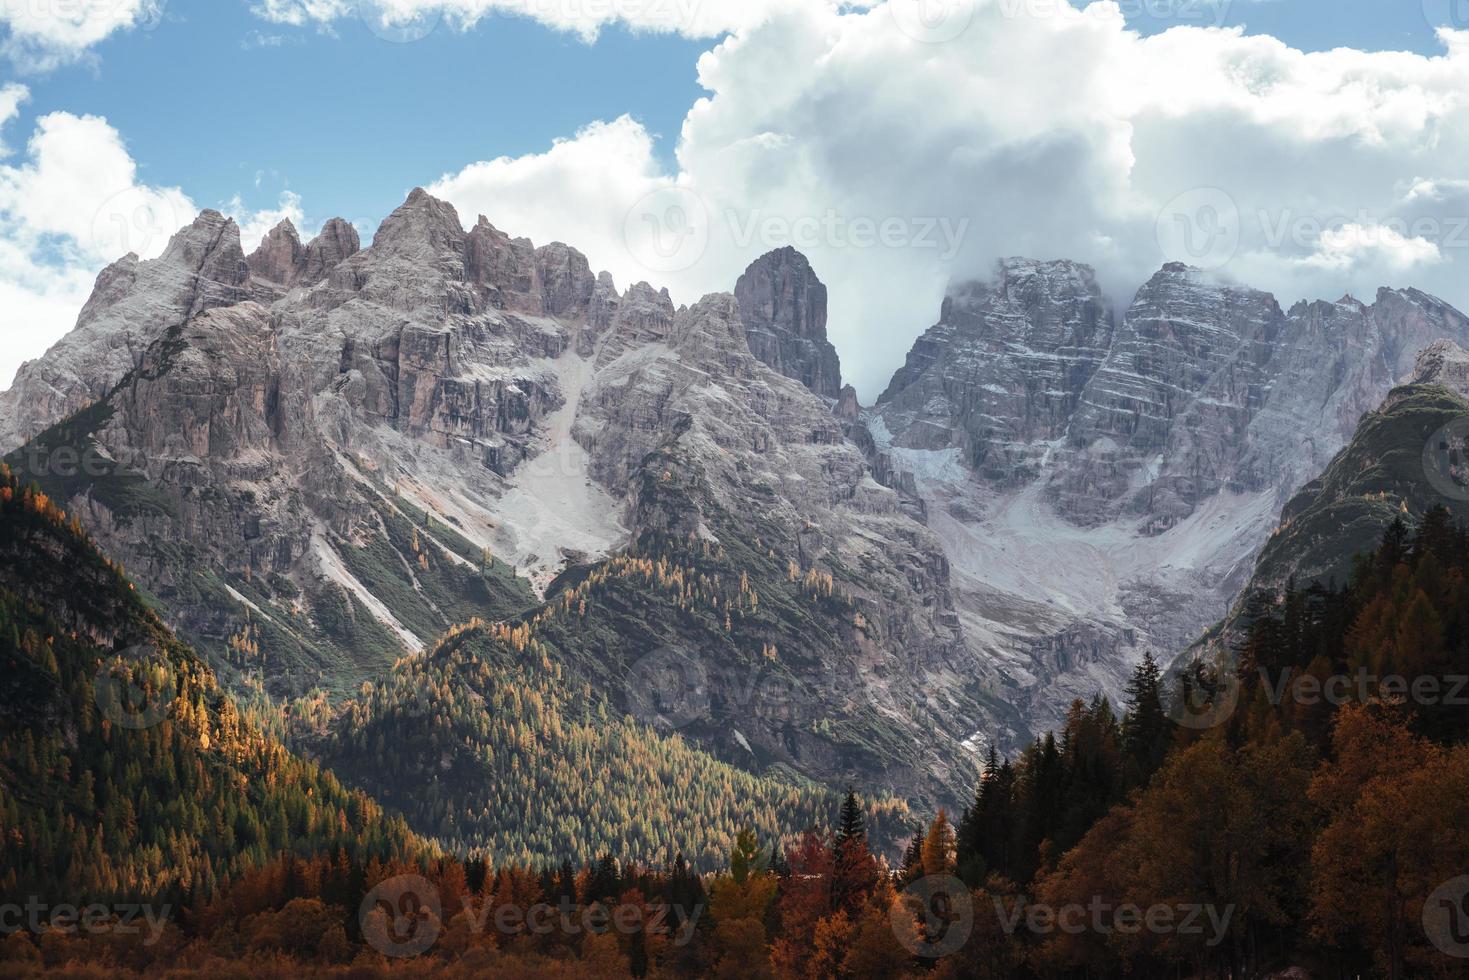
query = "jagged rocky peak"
{"x": 112, "y": 284}
{"x": 783, "y": 306}
{"x": 713, "y": 330}
{"x": 337, "y": 242}
{"x": 502, "y": 272}
{"x": 279, "y": 253}
{"x": 133, "y": 303}
{"x": 1004, "y": 368}
{"x": 1443, "y": 362}
{"x": 506, "y": 267}
{"x": 568, "y": 285}
{"x": 422, "y": 227}
{"x": 211, "y": 242}
{"x": 283, "y": 262}
{"x": 643, "y": 315}
{"x": 1163, "y": 420}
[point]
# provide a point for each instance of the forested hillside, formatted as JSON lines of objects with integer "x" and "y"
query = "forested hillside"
{"x": 1323, "y": 811}
{"x": 127, "y": 772}
{"x": 511, "y": 738}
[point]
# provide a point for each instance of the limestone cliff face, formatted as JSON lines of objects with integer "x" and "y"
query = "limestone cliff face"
{"x": 1005, "y": 369}
{"x": 783, "y": 307}
{"x": 351, "y": 450}
{"x": 133, "y": 304}
{"x": 282, "y": 263}
{"x": 681, "y": 390}
{"x": 1103, "y": 489}
{"x": 322, "y": 455}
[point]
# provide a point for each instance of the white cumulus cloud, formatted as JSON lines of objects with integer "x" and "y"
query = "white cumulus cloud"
{"x": 41, "y": 34}
{"x": 409, "y": 19}
{"x": 594, "y": 179}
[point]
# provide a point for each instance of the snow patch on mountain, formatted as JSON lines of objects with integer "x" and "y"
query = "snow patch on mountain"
{"x": 553, "y": 511}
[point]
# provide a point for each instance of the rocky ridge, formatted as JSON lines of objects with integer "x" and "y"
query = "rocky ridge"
{"x": 1101, "y": 488}
{"x": 344, "y": 462}
{"x": 319, "y": 456}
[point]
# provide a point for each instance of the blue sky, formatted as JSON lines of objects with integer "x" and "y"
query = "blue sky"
{"x": 1321, "y": 151}
{"x": 214, "y": 96}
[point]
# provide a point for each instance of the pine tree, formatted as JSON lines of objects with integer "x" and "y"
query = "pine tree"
{"x": 856, "y": 869}
{"x": 851, "y": 824}
{"x": 1145, "y": 725}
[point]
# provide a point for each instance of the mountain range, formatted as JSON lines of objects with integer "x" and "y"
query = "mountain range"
{"x": 319, "y": 460}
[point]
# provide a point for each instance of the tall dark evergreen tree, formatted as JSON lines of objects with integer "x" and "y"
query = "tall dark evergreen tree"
{"x": 851, "y": 824}
{"x": 1145, "y": 728}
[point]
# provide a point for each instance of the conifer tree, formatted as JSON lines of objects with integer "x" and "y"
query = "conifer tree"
{"x": 1145, "y": 725}
{"x": 851, "y": 824}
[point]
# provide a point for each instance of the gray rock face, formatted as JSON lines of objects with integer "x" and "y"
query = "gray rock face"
{"x": 279, "y": 255}
{"x": 320, "y": 461}
{"x": 1177, "y": 390}
{"x": 133, "y": 304}
{"x": 1104, "y": 490}
{"x": 337, "y": 243}
{"x": 783, "y": 306}
{"x": 684, "y": 384}
{"x": 567, "y": 284}
{"x": 282, "y": 263}
{"x": 1004, "y": 370}
{"x": 1443, "y": 363}
{"x": 1402, "y": 460}
{"x": 325, "y": 442}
